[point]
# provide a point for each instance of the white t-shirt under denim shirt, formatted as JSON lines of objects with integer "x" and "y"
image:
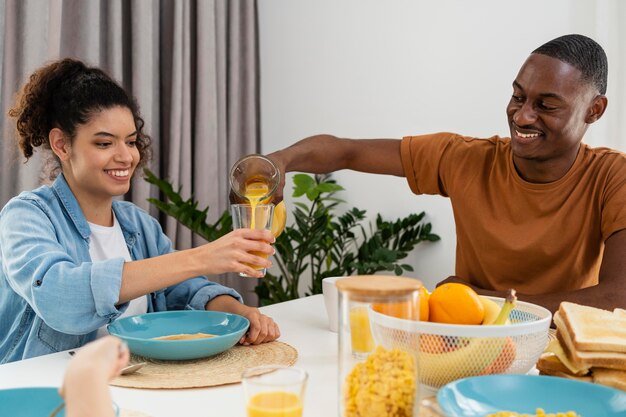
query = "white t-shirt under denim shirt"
{"x": 108, "y": 243}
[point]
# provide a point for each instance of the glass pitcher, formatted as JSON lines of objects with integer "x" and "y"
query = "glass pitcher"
{"x": 253, "y": 180}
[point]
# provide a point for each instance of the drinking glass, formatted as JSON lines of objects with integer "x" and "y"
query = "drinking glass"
{"x": 274, "y": 391}
{"x": 246, "y": 216}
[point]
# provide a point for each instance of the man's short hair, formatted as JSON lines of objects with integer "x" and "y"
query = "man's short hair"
{"x": 583, "y": 53}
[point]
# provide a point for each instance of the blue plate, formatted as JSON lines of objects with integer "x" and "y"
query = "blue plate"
{"x": 139, "y": 331}
{"x": 482, "y": 395}
{"x": 32, "y": 402}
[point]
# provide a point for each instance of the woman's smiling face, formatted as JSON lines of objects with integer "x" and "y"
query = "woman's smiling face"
{"x": 549, "y": 112}
{"x": 103, "y": 155}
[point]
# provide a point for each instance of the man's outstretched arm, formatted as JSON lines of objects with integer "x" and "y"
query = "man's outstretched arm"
{"x": 322, "y": 154}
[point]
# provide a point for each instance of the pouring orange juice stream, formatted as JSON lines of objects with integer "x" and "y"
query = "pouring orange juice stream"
{"x": 256, "y": 188}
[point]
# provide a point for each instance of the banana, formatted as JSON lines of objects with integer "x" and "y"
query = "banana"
{"x": 492, "y": 309}
{"x": 440, "y": 363}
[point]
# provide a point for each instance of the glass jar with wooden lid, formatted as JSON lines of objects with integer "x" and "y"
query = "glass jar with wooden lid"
{"x": 376, "y": 378}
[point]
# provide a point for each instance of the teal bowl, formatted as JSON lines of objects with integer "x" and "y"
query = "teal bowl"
{"x": 482, "y": 395}
{"x": 33, "y": 402}
{"x": 139, "y": 333}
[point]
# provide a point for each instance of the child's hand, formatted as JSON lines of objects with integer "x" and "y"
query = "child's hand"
{"x": 99, "y": 361}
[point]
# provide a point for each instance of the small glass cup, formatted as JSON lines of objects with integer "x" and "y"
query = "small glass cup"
{"x": 274, "y": 391}
{"x": 244, "y": 217}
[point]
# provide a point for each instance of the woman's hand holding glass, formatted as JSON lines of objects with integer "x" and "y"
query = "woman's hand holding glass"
{"x": 235, "y": 252}
{"x": 256, "y": 217}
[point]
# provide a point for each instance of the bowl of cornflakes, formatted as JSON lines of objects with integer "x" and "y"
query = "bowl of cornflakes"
{"x": 529, "y": 395}
{"x": 180, "y": 334}
{"x": 448, "y": 352}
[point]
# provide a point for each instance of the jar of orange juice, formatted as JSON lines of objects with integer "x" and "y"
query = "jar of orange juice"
{"x": 377, "y": 363}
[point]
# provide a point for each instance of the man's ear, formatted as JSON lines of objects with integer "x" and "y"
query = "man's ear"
{"x": 59, "y": 144}
{"x": 597, "y": 108}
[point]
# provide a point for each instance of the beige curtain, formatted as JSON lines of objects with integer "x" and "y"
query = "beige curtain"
{"x": 191, "y": 64}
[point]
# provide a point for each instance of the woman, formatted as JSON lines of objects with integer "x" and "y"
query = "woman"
{"x": 73, "y": 259}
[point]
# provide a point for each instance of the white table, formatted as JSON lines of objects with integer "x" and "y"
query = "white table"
{"x": 303, "y": 325}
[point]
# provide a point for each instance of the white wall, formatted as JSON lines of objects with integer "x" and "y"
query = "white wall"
{"x": 386, "y": 69}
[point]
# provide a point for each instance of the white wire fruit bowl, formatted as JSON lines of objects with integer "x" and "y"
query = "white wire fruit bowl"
{"x": 447, "y": 352}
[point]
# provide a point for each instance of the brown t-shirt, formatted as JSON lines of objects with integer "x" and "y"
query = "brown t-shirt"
{"x": 536, "y": 238}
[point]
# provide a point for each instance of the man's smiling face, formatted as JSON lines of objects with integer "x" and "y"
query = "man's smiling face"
{"x": 549, "y": 112}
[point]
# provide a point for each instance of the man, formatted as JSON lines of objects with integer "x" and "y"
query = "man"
{"x": 539, "y": 212}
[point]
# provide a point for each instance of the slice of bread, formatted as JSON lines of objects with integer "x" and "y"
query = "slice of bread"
{"x": 610, "y": 377}
{"x": 620, "y": 312}
{"x": 583, "y": 360}
{"x": 549, "y": 363}
{"x": 594, "y": 329}
{"x": 590, "y": 346}
{"x": 554, "y": 347}
{"x": 584, "y": 378}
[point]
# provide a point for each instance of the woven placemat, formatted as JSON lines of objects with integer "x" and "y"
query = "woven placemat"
{"x": 225, "y": 368}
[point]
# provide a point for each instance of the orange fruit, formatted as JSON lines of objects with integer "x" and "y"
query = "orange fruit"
{"x": 280, "y": 218}
{"x": 455, "y": 303}
{"x": 401, "y": 309}
{"x": 504, "y": 359}
{"x": 424, "y": 310}
{"x": 406, "y": 309}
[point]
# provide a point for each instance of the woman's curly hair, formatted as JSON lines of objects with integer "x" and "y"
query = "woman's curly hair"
{"x": 66, "y": 94}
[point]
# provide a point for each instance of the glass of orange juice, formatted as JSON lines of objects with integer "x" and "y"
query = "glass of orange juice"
{"x": 274, "y": 391}
{"x": 253, "y": 217}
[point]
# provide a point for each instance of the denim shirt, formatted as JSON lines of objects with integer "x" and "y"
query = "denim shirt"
{"x": 52, "y": 296}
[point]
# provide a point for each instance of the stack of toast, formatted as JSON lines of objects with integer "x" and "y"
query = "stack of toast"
{"x": 590, "y": 346}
